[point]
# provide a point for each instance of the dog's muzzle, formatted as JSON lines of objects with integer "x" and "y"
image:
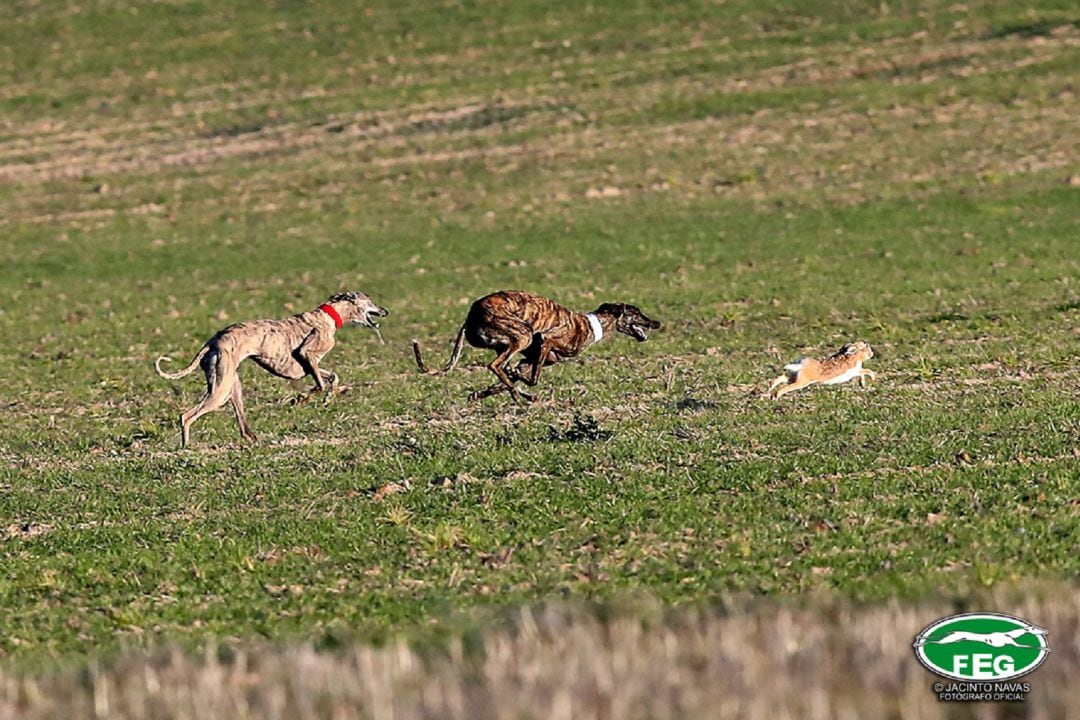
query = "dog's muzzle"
{"x": 638, "y": 331}
{"x": 371, "y": 314}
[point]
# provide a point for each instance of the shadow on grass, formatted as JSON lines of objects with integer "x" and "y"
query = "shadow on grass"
{"x": 1042, "y": 28}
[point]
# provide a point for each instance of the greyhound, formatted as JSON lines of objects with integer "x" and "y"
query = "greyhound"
{"x": 290, "y": 348}
{"x": 543, "y": 331}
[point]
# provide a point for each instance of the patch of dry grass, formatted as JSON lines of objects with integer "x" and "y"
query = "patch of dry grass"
{"x": 840, "y": 121}
{"x": 749, "y": 659}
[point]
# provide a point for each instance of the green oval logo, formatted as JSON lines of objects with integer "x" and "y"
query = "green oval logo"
{"x": 982, "y": 646}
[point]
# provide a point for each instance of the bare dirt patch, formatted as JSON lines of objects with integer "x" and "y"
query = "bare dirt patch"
{"x": 26, "y": 531}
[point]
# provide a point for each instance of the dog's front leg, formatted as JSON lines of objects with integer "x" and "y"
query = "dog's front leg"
{"x": 309, "y": 354}
{"x": 498, "y": 366}
{"x": 521, "y": 373}
{"x": 527, "y": 372}
{"x": 487, "y": 392}
{"x": 331, "y": 379}
{"x": 497, "y": 389}
{"x": 317, "y": 373}
{"x": 541, "y": 361}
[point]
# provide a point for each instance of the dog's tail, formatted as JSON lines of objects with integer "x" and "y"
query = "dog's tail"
{"x": 183, "y": 373}
{"x": 455, "y": 355}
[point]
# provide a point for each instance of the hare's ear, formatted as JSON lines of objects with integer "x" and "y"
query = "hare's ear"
{"x": 850, "y": 349}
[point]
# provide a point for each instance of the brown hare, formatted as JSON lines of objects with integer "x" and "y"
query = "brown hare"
{"x": 840, "y": 367}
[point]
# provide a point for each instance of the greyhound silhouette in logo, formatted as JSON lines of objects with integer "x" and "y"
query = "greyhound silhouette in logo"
{"x": 994, "y": 639}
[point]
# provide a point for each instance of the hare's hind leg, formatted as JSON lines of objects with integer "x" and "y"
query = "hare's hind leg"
{"x": 795, "y": 384}
{"x": 775, "y": 384}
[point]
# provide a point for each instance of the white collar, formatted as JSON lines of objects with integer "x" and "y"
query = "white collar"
{"x": 595, "y": 326}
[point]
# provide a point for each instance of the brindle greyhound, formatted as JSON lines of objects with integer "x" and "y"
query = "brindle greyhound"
{"x": 543, "y": 331}
{"x": 290, "y": 348}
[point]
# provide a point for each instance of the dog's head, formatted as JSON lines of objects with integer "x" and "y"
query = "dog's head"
{"x": 629, "y": 319}
{"x": 358, "y": 308}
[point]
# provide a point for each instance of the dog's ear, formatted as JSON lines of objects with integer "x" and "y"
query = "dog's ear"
{"x": 612, "y": 309}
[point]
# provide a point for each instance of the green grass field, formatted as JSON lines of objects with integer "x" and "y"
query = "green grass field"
{"x": 767, "y": 181}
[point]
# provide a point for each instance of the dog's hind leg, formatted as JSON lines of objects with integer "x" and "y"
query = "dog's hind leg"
{"x": 238, "y": 409}
{"x": 498, "y": 365}
{"x": 488, "y": 392}
{"x": 220, "y": 377}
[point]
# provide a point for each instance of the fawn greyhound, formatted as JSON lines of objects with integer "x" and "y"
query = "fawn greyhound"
{"x": 290, "y": 348}
{"x": 543, "y": 331}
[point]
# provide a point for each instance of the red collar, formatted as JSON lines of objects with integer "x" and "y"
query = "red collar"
{"x": 329, "y": 310}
